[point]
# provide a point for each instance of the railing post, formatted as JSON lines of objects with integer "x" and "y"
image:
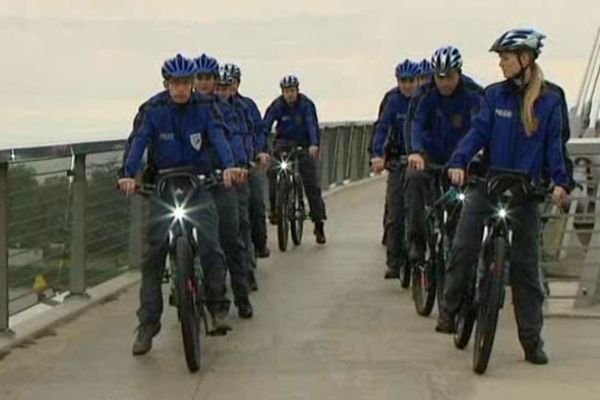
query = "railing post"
{"x": 77, "y": 272}
{"x": 339, "y": 156}
{"x": 325, "y": 158}
{"x": 332, "y": 151}
{"x": 4, "y": 311}
{"x": 136, "y": 231}
{"x": 588, "y": 292}
{"x": 356, "y": 160}
{"x": 367, "y": 137}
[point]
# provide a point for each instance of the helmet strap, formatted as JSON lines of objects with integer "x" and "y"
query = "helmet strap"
{"x": 520, "y": 79}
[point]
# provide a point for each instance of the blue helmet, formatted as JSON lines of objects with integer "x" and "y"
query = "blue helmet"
{"x": 446, "y": 59}
{"x": 233, "y": 70}
{"x": 289, "y": 81}
{"x": 407, "y": 69}
{"x": 425, "y": 68}
{"x": 519, "y": 39}
{"x": 178, "y": 67}
{"x": 225, "y": 78}
{"x": 207, "y": 65}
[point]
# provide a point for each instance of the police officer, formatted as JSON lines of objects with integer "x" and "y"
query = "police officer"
{"x": 520, "y": 127}
{"x": 297, "y": 123}
{"x": 442, "y": 116}
{"x": 179, "y": 134}
{"x": 238, "y": 139}
{"x": 226, "y": 199}
{"x": 382, "y": 105}
{"x": 257, "y": 178}
{"x": 390, "y": 135}
{"x": 425, "y": 73}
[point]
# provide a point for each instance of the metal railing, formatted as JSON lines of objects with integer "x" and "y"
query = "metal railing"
{"x": 585, "y": 118}
{"x": 64, "y": 227}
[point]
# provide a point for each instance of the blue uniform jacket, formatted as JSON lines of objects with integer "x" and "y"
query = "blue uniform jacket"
{"x": 498, "y": 129}
{"x": 440, "y": 122}
{"x": 390, "y": 125}
{"x": 256, "y": 125}
{"x": 181, "y": 135}
{"x": 236, "y": 132}
{"x": 297, "y": 123}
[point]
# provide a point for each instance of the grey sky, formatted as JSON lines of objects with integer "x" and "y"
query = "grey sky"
{"x": 76, "y": 70}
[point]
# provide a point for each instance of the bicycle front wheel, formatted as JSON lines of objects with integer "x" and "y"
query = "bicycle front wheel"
{"x": 187, "y": 292}
{"x": 297, "y": 212}
{"x": 490, "y": 301}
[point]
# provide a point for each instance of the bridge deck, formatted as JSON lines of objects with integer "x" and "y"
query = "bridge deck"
{"x": 326, "y": 327}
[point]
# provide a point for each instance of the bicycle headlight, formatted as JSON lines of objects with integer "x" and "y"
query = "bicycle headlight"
{"x": 179, "y": 213}
{"x": 461, "y": 197}
{"x": 284, "y": 165}
{"x": 502, "y": 212}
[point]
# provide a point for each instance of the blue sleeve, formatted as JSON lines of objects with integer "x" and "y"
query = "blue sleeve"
{"x": 553, "y": 148}
{"x": 215, "y": 128}
{"x": 247, "y": 135}
{"x": 419, "y": 129}
{"x": 313, "y": 125}
{"x": 408, "y": 123}
{"x": 144, "y": 135}
{"x": 477, "y": 138}
{"x": 260, "y": 133}
{"x": 272, "y": 114}
{"x": 383, "y": 128}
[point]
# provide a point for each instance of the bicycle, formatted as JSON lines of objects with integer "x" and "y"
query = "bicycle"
{"x": 485, "y": 295}
{"x": 441, "y": 220}
{"x": 177, "y": 185}
{"x": 290, "y": 206}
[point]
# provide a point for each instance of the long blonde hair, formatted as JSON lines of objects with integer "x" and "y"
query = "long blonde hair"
{"x": 532, "y": 93}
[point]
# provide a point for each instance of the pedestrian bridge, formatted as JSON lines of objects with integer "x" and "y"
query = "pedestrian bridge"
{"x": 326, "y": 325}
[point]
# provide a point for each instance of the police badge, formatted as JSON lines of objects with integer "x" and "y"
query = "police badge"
{"x": 196, "y": 141}
{"x": 457, "y": 121}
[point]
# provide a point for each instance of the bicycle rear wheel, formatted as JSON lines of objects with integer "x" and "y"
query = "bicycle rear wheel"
{"x": 297, "y": 212}
{"x": 282, "y": 215}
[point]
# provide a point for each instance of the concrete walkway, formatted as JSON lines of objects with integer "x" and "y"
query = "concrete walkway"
{"x": 327, "y": 326}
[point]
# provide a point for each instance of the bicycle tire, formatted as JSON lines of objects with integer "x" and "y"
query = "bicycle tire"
{"x": 189, "y": 316}
{"x": 490, "y": 302}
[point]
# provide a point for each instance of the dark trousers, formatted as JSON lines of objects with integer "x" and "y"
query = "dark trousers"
{"x": 420, "y": 191}
{"x": 248, "y": 253}
{"x": 228, "y": 208}
{"x": 308, "y": 168}
{"x": 527, "y": 293}
{"x": 257, "y": 211}
{"x": 395, "y": 218}
{"x": 204, "y": 217}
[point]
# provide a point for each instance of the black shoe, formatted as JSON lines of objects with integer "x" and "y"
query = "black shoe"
{"x": 392, "y": 273}
{"x": 245, "y": 310}
{"x": 220, "y": 327}
{"x": 535, "y": 354}
{"x": 143, "y": 340}
{"x": 445, "y": 323}
{"x": 273, "y": 220}
{"x": 320, "y": 233}
{"x": 252, "y": 284}
{"x": 263, "y": 253}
